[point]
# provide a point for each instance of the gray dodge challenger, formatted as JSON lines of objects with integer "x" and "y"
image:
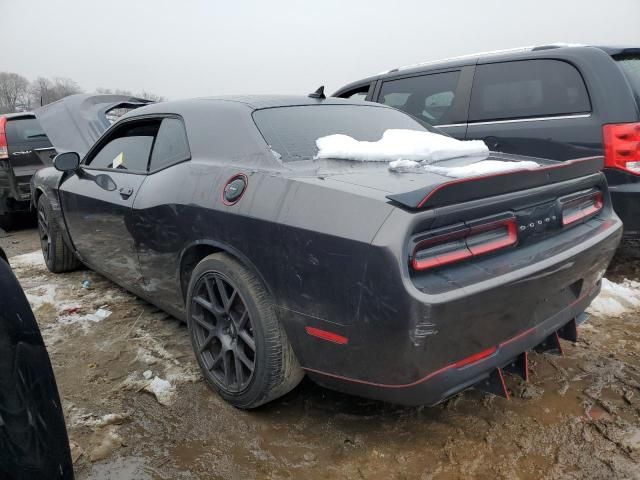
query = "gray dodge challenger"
{"x": 404, "y": 286}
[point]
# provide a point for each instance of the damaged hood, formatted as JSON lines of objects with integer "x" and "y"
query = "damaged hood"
{"x": 74, "y": 123}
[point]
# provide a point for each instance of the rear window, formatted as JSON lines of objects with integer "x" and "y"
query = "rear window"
{"x": 531, "y": 88}
{"x": 630, "y": 65}
{"x": 291, "y": 132}
{"x": 24, "y": 130}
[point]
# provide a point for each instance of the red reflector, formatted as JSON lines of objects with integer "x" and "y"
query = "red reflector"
{"x": 4, "y": 152}
{"x": 475, "y": 357}
{"x": 622, "y": 146}
{"x": 581, "y": 208}
{"x": 466, "y": 243}
{"x": 328, "y": 336}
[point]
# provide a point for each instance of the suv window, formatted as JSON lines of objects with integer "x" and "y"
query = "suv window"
{"x": 128, "y": 148}
{"x": 171, "y": 144}
{"x": 24, "y": 130}
{"x": 428, "y": 97}
{"x": 530, "y": 88}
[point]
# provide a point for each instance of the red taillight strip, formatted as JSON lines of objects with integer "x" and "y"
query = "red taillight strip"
{"x": 326, "y": 335}
{"x": 510, "y": 240}
{"x": 467, "y": 251}
{"x": 598, "y": 203}
{"x": 452, "y": 257}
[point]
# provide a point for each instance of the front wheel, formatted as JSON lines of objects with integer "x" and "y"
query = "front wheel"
{"x": 242, "y": 349}
{"x": 57, "y": 254}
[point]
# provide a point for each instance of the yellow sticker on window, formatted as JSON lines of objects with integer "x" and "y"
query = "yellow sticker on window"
{"x": 119, "y": 160}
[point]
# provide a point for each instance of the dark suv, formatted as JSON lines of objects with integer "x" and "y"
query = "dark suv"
{"x": 553, "y": 101}
{"x": 21, "y": 138}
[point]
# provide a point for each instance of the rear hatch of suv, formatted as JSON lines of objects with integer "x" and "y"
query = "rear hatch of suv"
{"x": 24, "y": 136}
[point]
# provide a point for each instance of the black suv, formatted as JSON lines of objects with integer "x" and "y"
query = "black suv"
{"x": 21, "y": 140}
{"x": 552, "y": 101}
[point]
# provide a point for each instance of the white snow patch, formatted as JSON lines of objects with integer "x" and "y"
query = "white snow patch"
{"x": 616, "y": 299}
{"x": 485, "y": 167}
{"x": 71, "y": 319}
{"x": 33, "y": 259}
{"x": 147, "y": 374}
{"x": 162, "y": 389}
{"x": 398, "y": 144}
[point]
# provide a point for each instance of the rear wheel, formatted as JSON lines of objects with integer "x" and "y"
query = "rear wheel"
{"x": 57, "y": 254}
{"x": 242, "y": 349}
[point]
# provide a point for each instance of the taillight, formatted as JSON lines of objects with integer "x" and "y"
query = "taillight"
{"x": 4, "y": 151}
{"x": 472, "y": 240}
{"x": 622, "y": 146}
{"x": 581, "y": 208}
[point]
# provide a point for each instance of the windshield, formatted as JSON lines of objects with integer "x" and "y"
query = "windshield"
{"x": 630, "y": 65}
{"x": 291, "y": 132}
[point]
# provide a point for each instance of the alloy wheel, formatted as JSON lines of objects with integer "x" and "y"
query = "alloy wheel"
{"x": 223, "y": 332}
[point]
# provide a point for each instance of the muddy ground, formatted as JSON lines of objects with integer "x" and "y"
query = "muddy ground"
{"x": 579, "y": 417}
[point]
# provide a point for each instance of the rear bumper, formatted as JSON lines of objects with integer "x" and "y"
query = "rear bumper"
{"x": 449, "y": 380}
{"x": 626, "y": 203}
{"x": 409, "y": 347}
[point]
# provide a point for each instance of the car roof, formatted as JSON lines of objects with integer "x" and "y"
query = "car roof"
{"x": 240, "y": 102}
{"x": 473, "y": 58}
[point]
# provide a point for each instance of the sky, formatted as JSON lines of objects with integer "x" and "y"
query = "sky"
{"x": 193, "y": 48}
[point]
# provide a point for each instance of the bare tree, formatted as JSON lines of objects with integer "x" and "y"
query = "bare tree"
{"x": 151, "y": 96}
{"x": 44, "y": 91}
{"x": 13, "y": 92}
{"x": 146, "y": 95}
{"x": 41, "y": 92}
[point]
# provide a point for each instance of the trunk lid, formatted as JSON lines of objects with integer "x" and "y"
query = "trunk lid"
{"x": 75, "y": 123}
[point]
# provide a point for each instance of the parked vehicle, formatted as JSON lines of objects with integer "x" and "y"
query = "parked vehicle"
{"x": 33, "y": 436}
{"x": 405, "y": 287}
{"x": 558, "y": 102}
{"x": 20, "y": 138}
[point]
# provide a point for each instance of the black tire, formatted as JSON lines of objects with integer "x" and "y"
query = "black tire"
{"x": 57, "y": 254}
{"x": 225, "y": 326}
{"x": 6, "y": 221}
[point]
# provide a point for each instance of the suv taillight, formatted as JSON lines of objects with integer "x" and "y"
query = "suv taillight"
{"x": 460, "y": 244}
{"x": 4, "y": 151}
{"x": 622, "y": 146}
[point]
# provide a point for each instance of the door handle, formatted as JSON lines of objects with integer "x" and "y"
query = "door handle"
{"x": 126, "y": 192}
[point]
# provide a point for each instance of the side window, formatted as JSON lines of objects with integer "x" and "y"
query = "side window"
{"x": 529, "y": 88}
{"x": 171, "y": 144}
{"x": 428, "y": 97}
{"x": 127, "y": 148}
{"x": 359, "y": 93}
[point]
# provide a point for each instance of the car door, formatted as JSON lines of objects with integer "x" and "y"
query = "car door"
{"x": 439, "y": 99}
{"x": 160, "y": 221}
{"x": 97, "y": 200}
{"x": 537, "y": 107}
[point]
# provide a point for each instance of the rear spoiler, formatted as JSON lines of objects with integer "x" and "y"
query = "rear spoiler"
{"x": 472, "y": 188}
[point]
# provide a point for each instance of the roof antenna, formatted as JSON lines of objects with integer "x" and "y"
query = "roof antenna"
{"x": 319, "y": 94}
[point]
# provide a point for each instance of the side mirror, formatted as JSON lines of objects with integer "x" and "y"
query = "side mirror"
{"x": 67, "y": 162}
